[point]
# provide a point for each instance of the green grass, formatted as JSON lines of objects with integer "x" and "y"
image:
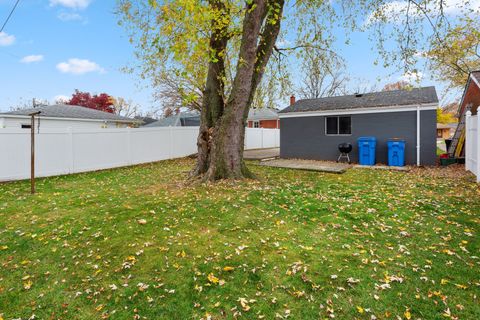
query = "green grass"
{"x": 300, "y": 244}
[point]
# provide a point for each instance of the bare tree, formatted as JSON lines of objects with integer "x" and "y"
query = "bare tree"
{"x": 323, "y": 76}
{"x": 24, "y": 104}
{"x": 399, "y": 85}
{"x": 126, "y": 108}
{"x": 359, "y": 85}
{"x": 176, "y": 92}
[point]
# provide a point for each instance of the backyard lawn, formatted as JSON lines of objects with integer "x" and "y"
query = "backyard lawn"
{"x": 139, "y": 243}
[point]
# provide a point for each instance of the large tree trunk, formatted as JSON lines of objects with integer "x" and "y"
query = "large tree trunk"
{"x": 222, "y": 132}
{"x": 213, "y": 101}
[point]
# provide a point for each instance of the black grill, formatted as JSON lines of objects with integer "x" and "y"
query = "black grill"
{"x": 344, "y": 148}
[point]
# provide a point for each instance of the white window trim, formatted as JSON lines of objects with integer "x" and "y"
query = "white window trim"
{"x": 338, "y": 127}
{"x": 257, "y": 122}
{"x": 432, "y": 106}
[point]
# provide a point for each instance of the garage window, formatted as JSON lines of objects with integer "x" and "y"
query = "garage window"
{"x": 338, "y": 125}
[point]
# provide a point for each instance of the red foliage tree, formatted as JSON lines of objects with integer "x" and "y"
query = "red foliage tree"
{"x": 102, "y": 102}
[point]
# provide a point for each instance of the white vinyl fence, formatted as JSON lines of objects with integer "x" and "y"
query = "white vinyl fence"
{"x": 472, "y": 144}
{"x": 66, "y": 151}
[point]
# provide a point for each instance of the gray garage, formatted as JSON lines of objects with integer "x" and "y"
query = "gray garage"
{"x": 313, "y": 128}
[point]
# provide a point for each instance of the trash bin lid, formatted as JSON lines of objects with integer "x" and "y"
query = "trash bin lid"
{"x": 396, "y": 140}
{"x": 367, "y": 139}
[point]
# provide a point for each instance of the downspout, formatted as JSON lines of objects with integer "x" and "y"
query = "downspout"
{"x": 418, "y": 135}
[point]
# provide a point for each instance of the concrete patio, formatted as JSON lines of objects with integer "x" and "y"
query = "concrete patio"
{"x": 310, "y": 165}
{"x": 261, "y": 154}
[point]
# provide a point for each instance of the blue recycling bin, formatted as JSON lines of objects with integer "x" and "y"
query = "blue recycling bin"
{"x": 396, "y": 152}
{"x": 366, "y": 150}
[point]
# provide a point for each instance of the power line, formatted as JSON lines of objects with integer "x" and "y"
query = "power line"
{"x": 8, "y": 18}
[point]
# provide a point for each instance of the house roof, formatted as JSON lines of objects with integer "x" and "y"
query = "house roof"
{"x": 145, "y": 120}
{"x": 415, "y": 96}
{"x": 177, "y": 120}
{"x": 262, "y": 114}
{"x": 71, "y": 112}
{"x": 476, "y": 75}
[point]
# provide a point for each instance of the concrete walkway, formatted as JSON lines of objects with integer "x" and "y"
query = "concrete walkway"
{"x": 311, "y": 165}
{"x": 261, "y": 154}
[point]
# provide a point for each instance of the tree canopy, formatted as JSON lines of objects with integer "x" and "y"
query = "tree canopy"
{"x": 102, "y": 102}
{"x": 172, "y": 40}
{"x": 223, "y": 56}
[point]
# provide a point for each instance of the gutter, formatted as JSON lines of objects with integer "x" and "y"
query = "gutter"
{"x": 418, "y": 135}
{"x": 405, "y": 108}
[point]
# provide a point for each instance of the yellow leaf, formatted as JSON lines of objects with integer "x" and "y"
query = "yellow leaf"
{"x": 27, "y": 284}
{"x": 244, "y": 304}
{"x": 181, "y": 254}
{"x": 212, "y": 278}
{"x": 408, "y": 315}
{"x": 227, "y": 268}
{"x": 444, "y": 281}
{"x": 360, "y": 309}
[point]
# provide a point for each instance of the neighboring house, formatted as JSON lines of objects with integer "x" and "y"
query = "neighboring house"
{"x": 145, "y": 120}
{"x": 470, "y": 101}
{"x": 181, "y": 119}
{"x": 313, "y": 128}
{"x": 65, "y": 116}
{"x": 445, "y": 131}
{"x": 263, "y": 118}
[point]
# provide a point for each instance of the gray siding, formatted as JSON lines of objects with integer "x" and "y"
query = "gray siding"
{"x": 305, "y": 138}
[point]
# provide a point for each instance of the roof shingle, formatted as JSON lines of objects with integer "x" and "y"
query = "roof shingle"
{"x": 368, "y": 100}
{"x": 182, "y": 119}
{"x": 262, "y": 114}
{"x": 68, "y": 111}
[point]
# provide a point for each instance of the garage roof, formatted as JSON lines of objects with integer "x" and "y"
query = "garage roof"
{"x": 426, "y": 95}
{"x": 71, "y": 112}
{"x": 262, "y": 114}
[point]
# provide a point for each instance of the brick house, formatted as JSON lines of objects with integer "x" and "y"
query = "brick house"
{"x": 263, "y": 118}
{"x": 470, "y": 101}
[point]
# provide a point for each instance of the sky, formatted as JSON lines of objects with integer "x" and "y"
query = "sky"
{"x": 49, "y": 48}
{"x": 53, "y": 47}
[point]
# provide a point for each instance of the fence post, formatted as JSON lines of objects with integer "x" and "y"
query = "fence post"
{"x": 477, "y": 141}
{"x": 129, "y": 147}
{"x": 170, "y": 141}
{"x": 72, "y": 155}
{"x": 468, "y": 141}
{"x": 263, "y": 132}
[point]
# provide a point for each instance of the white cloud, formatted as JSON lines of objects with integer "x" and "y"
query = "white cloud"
{"x": 395, "y": 11}
{"x": 61, "y": 98}
{"x": 65, "y": 16}
{"x": 73, "y": 4}
{"x": 456, "y": 7}
{"x": 6, "y": 39}
{"x": 79, "y": 66}
{"x": 412, "y": 76}
{"x": 32, "y": 58}
{"x": 283, "y": 43}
